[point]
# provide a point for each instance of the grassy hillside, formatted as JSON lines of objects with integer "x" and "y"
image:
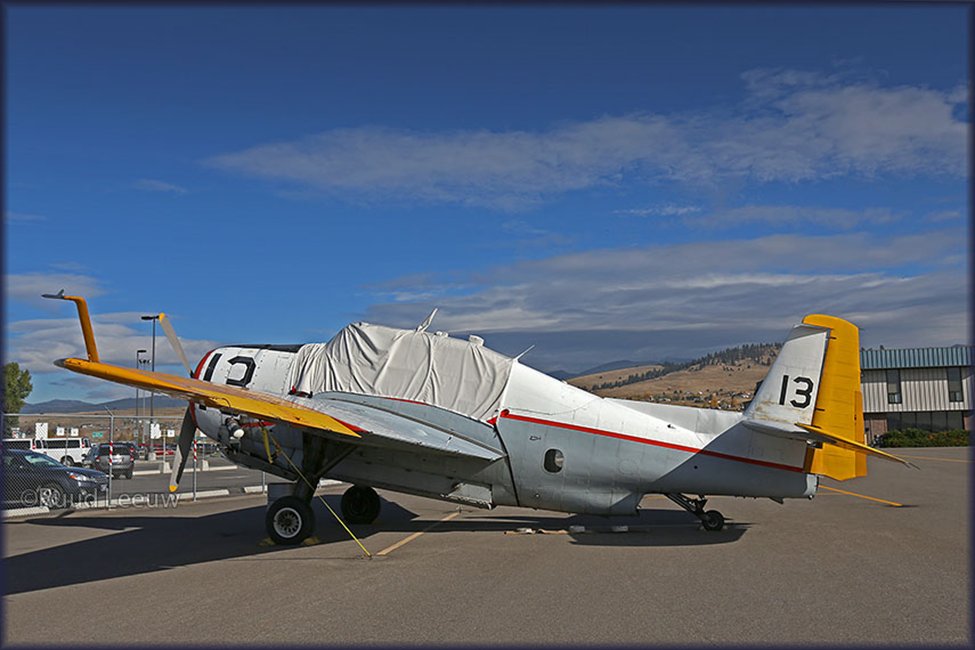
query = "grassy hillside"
{"x": 722, "y": 380}
{"x": 591, "y": 381}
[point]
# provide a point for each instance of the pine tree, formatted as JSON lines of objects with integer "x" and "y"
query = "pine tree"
{"x": 17, "y": 387}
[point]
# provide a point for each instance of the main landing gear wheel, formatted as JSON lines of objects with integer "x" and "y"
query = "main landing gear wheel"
{"x": 289, "y": 521}
{"x": 712, "y": 520}
{"x": 360, "y": 505}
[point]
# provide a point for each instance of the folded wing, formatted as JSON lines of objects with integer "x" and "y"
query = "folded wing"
{"x": 371, "y": 425}
{"x": 231, "y": 398}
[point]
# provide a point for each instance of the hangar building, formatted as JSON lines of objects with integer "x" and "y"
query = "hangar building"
{"x": 923, "y": 388}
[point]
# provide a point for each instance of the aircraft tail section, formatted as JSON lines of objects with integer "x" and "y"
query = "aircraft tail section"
{"x": 839, "y": 405}
{"x": 789, "y": 391}
{"x": 814, "y": 386}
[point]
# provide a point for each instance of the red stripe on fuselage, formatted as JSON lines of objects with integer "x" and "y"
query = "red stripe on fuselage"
{"x": 408, "y": 401}
{"x": 199, "y": 366}
{"x": 646, "y": 441}
{"x": 196, "y": 375}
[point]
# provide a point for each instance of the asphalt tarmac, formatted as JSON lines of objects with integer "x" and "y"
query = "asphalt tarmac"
{"x": 839, "y": 569}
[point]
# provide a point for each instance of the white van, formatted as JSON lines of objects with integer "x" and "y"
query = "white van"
{"x": 30, "y": 444}
{"x": 68, "y": 451}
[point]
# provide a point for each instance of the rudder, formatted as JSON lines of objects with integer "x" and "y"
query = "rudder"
{"x": 839, "y": 404}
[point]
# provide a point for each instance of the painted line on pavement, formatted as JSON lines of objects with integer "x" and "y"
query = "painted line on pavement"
{"x": 25, "y": 512}
{"x": 944, "y": 460}
{"x": 208, "y": 493}
{"x": 189, "y": 470}
{"x": 862, "y": 496}
{"x": 410, "y": 538}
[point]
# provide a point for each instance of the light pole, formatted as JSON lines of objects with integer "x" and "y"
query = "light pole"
{"x": 142, "y": 424}
{"x": 138, "y": 366}
{"x": 153, "y": 318}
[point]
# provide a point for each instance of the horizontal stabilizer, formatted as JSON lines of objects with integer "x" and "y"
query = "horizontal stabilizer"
{"x": 812, "y": 433}
{"x": 853, "y": 445}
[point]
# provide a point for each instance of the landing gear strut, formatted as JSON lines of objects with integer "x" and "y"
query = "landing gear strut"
{"x": 290, "y": 519}
{"x": 360, "y": 505}
{"x": 710, "y": 519}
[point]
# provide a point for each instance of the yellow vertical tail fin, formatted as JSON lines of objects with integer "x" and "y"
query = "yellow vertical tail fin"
{"x": 839, "y": 404}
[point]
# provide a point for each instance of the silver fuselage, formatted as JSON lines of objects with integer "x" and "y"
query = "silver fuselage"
{"x": 561, "y": 448}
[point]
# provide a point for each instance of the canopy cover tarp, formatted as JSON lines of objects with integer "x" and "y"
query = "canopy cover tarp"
{"x": 462, "y": 376}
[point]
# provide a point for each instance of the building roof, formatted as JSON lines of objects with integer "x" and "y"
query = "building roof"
{"x": 956, "y": 355}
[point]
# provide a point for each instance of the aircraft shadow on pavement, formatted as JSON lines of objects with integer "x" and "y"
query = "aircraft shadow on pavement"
{"x": 143, "y": 544}
{"x": 650, "y": 527}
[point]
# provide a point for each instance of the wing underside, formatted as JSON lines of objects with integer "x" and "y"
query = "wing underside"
{"x": 393, "y": 430}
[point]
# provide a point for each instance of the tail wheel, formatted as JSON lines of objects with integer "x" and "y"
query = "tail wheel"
{"x": 712, "y": 520}
{"x": 360, "y": 505}
{"x": 289, "y": 521}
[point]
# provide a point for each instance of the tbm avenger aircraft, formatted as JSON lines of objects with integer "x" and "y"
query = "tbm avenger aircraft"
{"x": 427, "y": 414}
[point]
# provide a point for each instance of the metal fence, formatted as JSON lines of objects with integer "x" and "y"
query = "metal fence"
{"x": 81, "y": 460}
{"x": 95, "y": 426}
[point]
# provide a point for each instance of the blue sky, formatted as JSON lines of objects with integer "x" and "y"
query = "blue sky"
{"x": 603, "y": 182}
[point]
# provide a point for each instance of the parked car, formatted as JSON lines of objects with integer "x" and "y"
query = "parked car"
{"x": 134, "y": 448}
{"x": 207, "y": 448}
{"x": 35, "y": 479}
{"x": 119, "y": 463}
{"x": 169, "y": 450}
{"x": 142, "y": 451}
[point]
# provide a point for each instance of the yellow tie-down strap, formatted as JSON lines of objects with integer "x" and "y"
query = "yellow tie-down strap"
{"x": 218, "y": 396}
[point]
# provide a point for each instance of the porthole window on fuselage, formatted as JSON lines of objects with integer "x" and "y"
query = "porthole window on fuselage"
{"x": 554, "y": 460}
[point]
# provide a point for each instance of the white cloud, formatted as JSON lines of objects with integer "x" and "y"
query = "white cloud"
{"x": 509, "y": 170}
{"x": 522, "y": 233}
{"x": 665, "y": 210}
{"x": 28, "y": 287}
{"x": 153, "y": 185}
{"x": 650, "y": 303}
{"x": 794, "y": 126}
{"x": 37, "y": 343}
{"x": 23, "y": 217}
{"x": 779, "y": 215}
{"x": 943, "y": 215}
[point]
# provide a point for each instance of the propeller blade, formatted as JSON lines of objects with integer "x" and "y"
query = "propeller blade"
{"x": 174, "y": 341}
{"x": 186, "y": 433}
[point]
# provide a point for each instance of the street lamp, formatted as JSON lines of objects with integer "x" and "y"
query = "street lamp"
{"x": 153, "y": 318}
{"x": 145, "y": 432}
{"x": 138, "y": 366}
